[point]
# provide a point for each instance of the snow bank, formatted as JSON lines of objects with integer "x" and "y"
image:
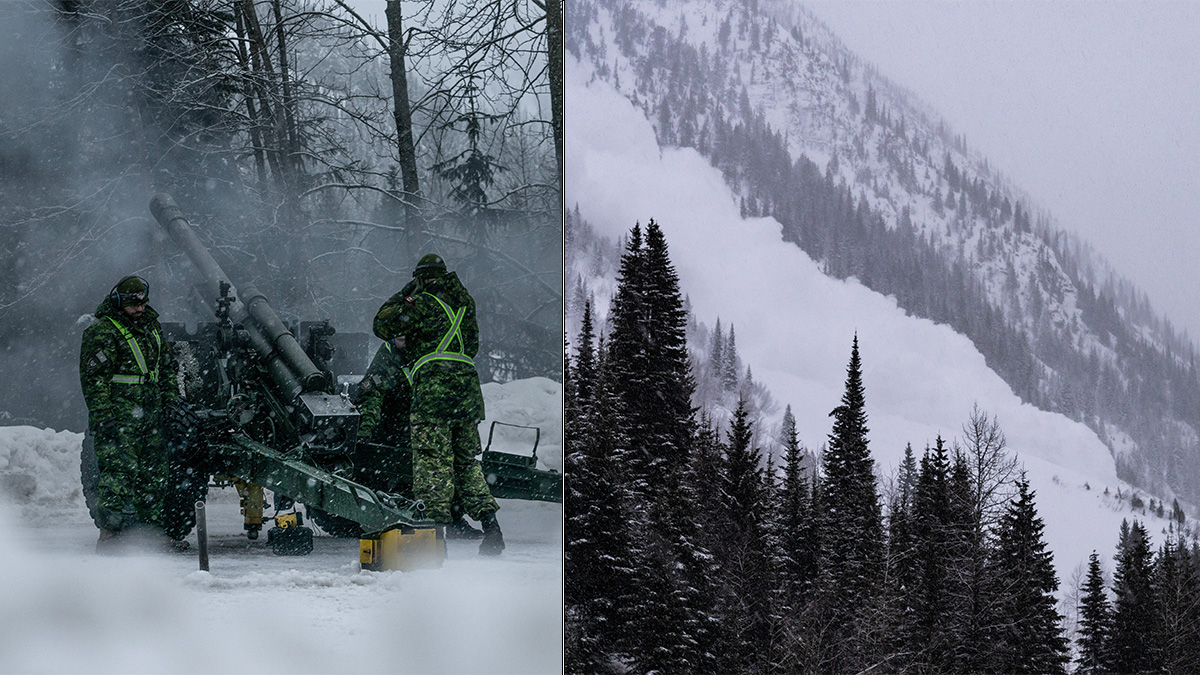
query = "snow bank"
{"x": 528, "y": 403}
{"x": 39, "y": 468}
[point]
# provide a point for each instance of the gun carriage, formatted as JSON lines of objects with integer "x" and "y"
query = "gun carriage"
{"x": 261, "y": 410}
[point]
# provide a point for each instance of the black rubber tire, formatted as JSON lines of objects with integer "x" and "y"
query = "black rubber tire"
{"x": 187, "y": 471}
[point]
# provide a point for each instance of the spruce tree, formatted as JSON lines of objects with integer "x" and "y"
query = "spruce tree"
{"x": 743, "y": 555}
{"x": 1094, "y": 622}
{"x": 585, "y": 367}
{"x": 931, "y": 602}
{"x": 730, "y": 363}
{"x": 601, "y": 553}
{"x": 1177, "y": 586}
{"x": 1131, "y": 647}
{"x": 796, "y": 515}
{"x": 649, "y": 360}
{"x": 851, "y": 536}
{"x": 1028, "y": 638}
{"x": 716, "y": 352}
{"x": 902, "y": 569}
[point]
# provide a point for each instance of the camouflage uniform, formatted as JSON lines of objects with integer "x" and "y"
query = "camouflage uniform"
{"x": 127, "y": 375}
{"x": 436, "y": 317}
{"x": 383, "y": 400}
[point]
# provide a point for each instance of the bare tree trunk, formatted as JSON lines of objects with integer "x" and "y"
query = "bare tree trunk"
{"x": 288, "y": 103}
{"x": 403, "y": 116}
{"x": 261, "y": 63}
{"x": 255, "y": 125}
{"x": 554, "y": 48}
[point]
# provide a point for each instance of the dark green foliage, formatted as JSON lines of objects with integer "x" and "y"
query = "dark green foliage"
{"x": 851, "y": 530}
{"x": 1094, "y": 622}
{"x": 1132, "y": 646}
{"x": 1027, "y": 635}
{"x": 796, "y": 515}
{"x": 1177, "y": 587}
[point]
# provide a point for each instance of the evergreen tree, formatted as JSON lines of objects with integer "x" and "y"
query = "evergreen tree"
{"x": 902, "y": 569}
{"x": 796, "y": 515}
{"x": 648, "y": 349}
{"x": 1094, "y": 622}
{"x": 585, "y": 368}
{"x": 1177, "y": 586}
{"x": 1028, "y": 638}
{"x": 731, "y": 363}
{"x": 851, "y": 534}
{"x": 1131, "y": 647}
{"x": 743, "y": 557}
{"x": 932, "y": 626}
{"x": 650, "y": 363}
{"x": 716, "y": 352}
{"x": 601, "y": 553}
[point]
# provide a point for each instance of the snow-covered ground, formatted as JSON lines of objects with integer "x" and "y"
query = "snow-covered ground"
{"x": 64, "y": 609}
{"x": 795, "y": 325}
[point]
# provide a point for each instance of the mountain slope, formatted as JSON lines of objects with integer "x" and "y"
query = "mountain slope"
{"x": 873, "y": 186}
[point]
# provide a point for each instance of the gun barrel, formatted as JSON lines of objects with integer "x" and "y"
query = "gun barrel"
{"x": 291, "y": 369}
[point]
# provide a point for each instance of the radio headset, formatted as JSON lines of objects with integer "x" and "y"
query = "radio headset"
{"x": 114, "y": 297}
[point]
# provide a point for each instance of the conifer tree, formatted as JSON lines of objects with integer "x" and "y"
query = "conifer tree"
{"x": 1094, "y": 622}
{"x": 1131, "y": 647}
{"x": 1028, "y": 638}
{"x": 851, "y": 536}
{"x": 731, "y": 363}
{"x": 601, "y": 552}
{"x": 902, "y": 569}
{"x": 796, "y": 514}
{"x": 931, "y": 628}
{"x": 649, "y": 360}
{"x": 648, "y": 348}
{"x": 1177, "y": 586}
{"x": 744, "y": 565}
{"x": 716, "y": 352}
{"x": 585, "y": 366}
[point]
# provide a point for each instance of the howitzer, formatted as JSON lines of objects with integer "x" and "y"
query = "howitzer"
{"x": 263, "y": 411}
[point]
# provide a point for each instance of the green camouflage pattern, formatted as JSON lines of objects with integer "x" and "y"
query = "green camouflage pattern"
{"x": 444, "y": 390}
{"x": 447, "y": 402}
{"x": 383, "y": 399}
{"x": 126, "y": 420}
{"x": 445, "y": 468}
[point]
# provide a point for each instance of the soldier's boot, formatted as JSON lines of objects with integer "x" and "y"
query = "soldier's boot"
{"x": 459, "y": 528}
{"x": 493, "y": 538}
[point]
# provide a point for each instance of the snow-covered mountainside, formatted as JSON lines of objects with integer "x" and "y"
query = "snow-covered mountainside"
{"x": 795, "y": 322}
{"x": 874, "y": 186}
{"x": 66, "y": 610}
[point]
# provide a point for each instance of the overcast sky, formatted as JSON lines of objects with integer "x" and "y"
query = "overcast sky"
{"x": 1090, "y": 107}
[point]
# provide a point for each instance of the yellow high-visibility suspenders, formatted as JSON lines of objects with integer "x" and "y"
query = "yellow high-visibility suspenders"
{"x": 147, "y": 375}
{"x": 443, "y": 351}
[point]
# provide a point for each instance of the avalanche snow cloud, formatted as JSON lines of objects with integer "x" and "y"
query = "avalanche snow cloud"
{"x": 795, "y": 325}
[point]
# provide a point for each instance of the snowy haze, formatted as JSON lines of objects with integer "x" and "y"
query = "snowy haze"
{"x": 795, "y": 325}
{"x": 65, "y": 610}
{"x": 1089, "y": 106}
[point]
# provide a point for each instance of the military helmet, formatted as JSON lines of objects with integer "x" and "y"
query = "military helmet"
{"x": 132, "y": 290}
{"x": 430, "y": 263}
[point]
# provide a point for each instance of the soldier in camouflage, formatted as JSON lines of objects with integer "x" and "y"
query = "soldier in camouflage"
{"x": 434, "y": 318}
{"x": 384, "y": 401}
{"x": 127, "y": 375}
